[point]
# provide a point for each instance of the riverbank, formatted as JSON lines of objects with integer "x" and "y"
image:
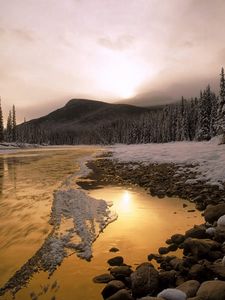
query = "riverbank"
{"x": 203, "y": 246}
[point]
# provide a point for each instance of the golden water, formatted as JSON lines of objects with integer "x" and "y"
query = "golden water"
{"x": 28, "y": 180}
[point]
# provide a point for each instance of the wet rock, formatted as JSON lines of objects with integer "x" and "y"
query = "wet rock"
{"x": 163, "y": 250}
{"x": 197, "y": 232}
{"x": 177, "y": 238}
{"x": 121, "y": 272}
{"x": 212, "y": 290}
{"x": 214, "y": 212}
{"x": 189, "y": 287}
{"x": 114, "y": 249}
{"x": 121, "y": 295}
{"x": 111, "y": 288}
{"x": 144, "y": 281}
{"x": 221, "y": 221}
{"x": 103, "y": 278}
{"x": 172, "y": 247}
{"x": 115, "y": 261}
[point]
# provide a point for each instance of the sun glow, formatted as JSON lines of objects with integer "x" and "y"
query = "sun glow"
{"x": 121, "y": 76}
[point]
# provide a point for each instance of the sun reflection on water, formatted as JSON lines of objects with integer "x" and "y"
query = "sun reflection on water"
{"x": 125, "y": 204}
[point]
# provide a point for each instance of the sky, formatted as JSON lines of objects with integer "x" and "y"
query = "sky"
{"x": 108, "y": 50}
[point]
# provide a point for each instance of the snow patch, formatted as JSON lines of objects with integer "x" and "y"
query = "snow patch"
{"x": 206, "y": 159}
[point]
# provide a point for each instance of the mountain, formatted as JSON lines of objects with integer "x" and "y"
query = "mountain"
{"x": 83, "y": 112}
{"x": 81, "y": 121}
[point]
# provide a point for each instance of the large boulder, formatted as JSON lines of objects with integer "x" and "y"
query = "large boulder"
{"x": 189, "y": 287}
{"x": 144, "y": 281}
{"x": 214, "y": 212}
{"x": 112, "y": 287}
{"x": 212, "y": 290}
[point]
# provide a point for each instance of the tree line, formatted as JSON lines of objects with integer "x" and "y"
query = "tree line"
{"x": 199, "y": 118}
{"x": 8, "y": 134}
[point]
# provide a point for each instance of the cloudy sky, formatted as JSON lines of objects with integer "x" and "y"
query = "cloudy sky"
{"x": 54, "y": 50}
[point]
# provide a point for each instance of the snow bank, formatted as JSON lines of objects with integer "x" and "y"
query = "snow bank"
{"x": 208, "y": 158}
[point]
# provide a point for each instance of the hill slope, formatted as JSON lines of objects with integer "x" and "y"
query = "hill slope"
{"x": 81, "y": 121}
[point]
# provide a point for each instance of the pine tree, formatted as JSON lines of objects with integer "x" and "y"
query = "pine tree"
{"x": 1, "y": 123}
{"x": 213, "y": 117}
{"x": 13, "y": 123}
{"x": 205, "y": 105}
{"x": 9, "y": 127}
{"x": 221, "y": 105}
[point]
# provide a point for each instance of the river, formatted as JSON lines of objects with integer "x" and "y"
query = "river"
{"x": 28, "y": 180}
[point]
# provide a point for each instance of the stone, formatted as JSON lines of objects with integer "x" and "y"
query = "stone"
{"x": 121, "y": 272}
{"x": 111, "y": 288}
{"x": 163, "y": 250}
{"x": 172, "y": 247}
{"x": 167, "y": 278}
{"x": 199, "y": 248}
{"x": 197, "y": 272}
{"x": 198, "y": 231}
{"x": 214, "y": 212}
{"x": 212, "y": 290}
{"x": 172, "y": 294}
{"x": 103, "y": 278}
{"x": 121, "y": 295}
{"x": 189, "y": 287}
{"x": 218, "y": 270}
{"x": 115, "y": 261}
{"x": 114, "y": 249}
{"x": 221, "y": 221}
{"x": 144, "y": 281}
{"x": 176, "y": 263}
{"x": 177, "y": 238}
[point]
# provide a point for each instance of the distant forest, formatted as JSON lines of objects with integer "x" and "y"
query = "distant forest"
{"x": 198, "y": 119}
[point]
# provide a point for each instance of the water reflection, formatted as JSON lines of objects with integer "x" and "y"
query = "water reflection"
{"x": 27, "y": 182}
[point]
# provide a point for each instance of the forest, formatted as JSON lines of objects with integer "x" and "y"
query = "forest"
{"x": 199, "y": 119}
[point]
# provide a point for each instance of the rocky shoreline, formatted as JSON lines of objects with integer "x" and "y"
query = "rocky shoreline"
{"x": 200, "y": 273}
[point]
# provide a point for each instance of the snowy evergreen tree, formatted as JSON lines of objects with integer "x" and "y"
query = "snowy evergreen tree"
{"x": 221, "y": 105}
{"x": 9, "y": 127}
{"x": 205, "y": 103}
{"x": 213, "y": 116}
{"x": 13, "y": 123}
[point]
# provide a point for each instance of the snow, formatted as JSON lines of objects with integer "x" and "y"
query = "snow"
{"x": 89, "y": 217}
{"x": 207, "y": 158}
{"x": 77, "y": 218}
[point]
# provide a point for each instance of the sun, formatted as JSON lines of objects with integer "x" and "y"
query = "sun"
{"x": 120, "y": 76}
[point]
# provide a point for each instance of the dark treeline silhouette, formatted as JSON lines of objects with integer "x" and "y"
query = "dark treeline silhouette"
{"x": 8, "y": 134}
{"x": 198, "y": 119}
